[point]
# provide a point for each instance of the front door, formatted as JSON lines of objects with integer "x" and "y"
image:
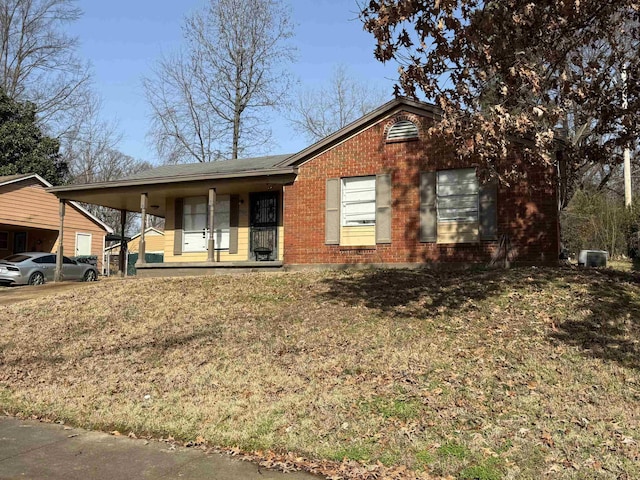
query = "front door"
{"x": 264, "y": 226}
{"x": 19, "y": 242}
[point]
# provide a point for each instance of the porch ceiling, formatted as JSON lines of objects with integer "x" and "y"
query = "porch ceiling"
{"x": 127, "y": 197}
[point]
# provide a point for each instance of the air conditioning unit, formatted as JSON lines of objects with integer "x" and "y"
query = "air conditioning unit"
{"x": 593, "y": 258}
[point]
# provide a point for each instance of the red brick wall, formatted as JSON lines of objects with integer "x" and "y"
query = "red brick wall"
{"x": 527, "y": 211}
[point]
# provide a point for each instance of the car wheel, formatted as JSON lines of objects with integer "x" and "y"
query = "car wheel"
{"x": 36, "y": 278}
{"x": 90, "y": 276}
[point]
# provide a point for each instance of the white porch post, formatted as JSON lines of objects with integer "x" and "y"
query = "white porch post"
{"x": 143, "y": 223}
{"x": 212, "y": 210}
{"x": 58, "y": 277}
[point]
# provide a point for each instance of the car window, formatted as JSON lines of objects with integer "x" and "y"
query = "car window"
{"x": 68, "y": 261}
{"x": 47, "y": 259}
{"x": 17, "y": 258}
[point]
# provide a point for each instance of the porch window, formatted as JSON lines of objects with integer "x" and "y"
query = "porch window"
{"x": 358, "y": 201}
{"x": 4, "y": 240}
{"x": 195, "y": 222}
{"x": 457, "y": 195}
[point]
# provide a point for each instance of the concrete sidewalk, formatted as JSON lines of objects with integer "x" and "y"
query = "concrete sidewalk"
{"x": 34, "y": 450}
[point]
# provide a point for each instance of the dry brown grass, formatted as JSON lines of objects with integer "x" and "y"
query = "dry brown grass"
{"x": 528, "y": 373}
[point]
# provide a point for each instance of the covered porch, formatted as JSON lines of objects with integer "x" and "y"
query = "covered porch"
{"x": 215, "y": 222}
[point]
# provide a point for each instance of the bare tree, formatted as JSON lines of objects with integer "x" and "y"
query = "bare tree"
{"x": 317, "y": 113}
{"x": 208, "y": 100}
{"x": 38, "y": 60}
{"x": 110, "y": 164}
{"x": 90, "y": 149}
{"x": 113, "y": 165}
{"x": 88, "y": 144}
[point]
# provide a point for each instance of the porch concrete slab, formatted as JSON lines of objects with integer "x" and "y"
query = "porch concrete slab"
{"x": 181, "y": 269}
{"x": 30, "y": 449}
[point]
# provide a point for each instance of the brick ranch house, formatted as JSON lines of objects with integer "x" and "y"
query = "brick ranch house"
{"x": 378, "y": 192}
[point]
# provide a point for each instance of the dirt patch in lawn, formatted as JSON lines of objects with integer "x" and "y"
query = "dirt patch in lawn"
{"x": 528, "y": 373}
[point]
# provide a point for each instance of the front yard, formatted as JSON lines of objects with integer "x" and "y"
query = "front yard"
{"x": 528, "y": 373}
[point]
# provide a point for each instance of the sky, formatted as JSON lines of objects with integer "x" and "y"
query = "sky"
{"x": 123, "y": 39}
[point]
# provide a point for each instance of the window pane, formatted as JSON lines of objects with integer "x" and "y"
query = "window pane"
{"x": 221, "y": 239}
{"x": 195, "y": 222}
{"x": 193, "y": 205}
{"x": 458, "y": 195}
{"x": 358, "y": 201}
{"x": 222, "y": 213}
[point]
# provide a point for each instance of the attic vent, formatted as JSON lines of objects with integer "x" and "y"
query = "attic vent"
{"x": 402, "y": 130}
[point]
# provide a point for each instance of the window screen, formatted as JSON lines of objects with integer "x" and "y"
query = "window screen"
{"x": 358, "y": 201}
{"x": 457, "y": 195}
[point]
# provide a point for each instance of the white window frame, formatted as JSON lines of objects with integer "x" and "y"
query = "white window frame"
{"x": 362, "y": 191}
{"x": 220, "y": 223}
{"x": 459, "y": 186}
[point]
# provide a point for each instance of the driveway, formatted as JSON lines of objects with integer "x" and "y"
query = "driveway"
{"x": 9, "y": 295}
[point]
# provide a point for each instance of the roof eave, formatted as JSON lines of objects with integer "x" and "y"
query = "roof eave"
{"x": 175, "y": 179}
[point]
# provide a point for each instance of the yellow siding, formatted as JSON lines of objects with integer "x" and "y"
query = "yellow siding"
{"x": 27, "y": 204}
{"x": 357, "y": 236}
{"x": 153, "y": 241}
{"x": 281, "y": 242}
{"x": 221, "y": 256}
{"x": 458, "y": 232}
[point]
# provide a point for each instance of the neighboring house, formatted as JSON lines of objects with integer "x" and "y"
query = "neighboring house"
{"x": 29, "y": 221}
{"x": 154, "y": 245}
{"x": 380, "y": 191}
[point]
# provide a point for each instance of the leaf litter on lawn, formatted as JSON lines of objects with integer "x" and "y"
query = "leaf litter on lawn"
{"x": 524, "y": 373}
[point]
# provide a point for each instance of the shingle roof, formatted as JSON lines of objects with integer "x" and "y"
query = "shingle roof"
{"x": 225, "y": 166}
{"x": 10, "y": 178}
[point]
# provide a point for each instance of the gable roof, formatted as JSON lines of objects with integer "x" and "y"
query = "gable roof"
{"x": 386, "y": 110}
{"x": 9, "y": 179}
{"x": 256, "y": 166}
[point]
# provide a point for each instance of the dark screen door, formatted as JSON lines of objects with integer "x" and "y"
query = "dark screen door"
{"x": 264, "y": 225}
